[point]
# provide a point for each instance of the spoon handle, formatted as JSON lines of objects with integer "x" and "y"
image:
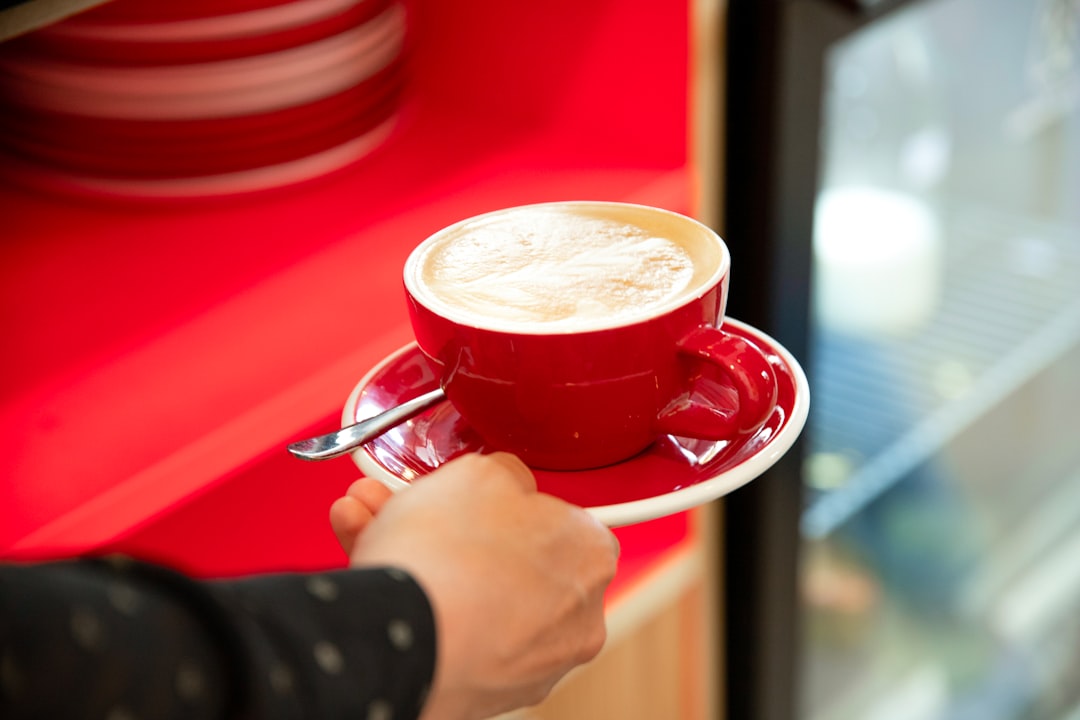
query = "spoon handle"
{"x": 342, "y": 441}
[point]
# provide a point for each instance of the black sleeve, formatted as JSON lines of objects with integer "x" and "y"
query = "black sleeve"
{"x": 123, "y": 640}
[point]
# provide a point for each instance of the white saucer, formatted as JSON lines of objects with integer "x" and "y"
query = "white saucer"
{"x": 672, "y": 475}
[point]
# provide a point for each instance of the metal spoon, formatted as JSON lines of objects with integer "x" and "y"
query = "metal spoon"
{"x": 349, "y": 438}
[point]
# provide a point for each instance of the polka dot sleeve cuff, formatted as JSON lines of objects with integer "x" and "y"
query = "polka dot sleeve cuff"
{"x": 121, "y": 640}
{"x": 356, "y": 644}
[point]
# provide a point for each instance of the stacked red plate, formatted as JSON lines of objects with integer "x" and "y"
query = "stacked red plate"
{"x": 150, "y": 99}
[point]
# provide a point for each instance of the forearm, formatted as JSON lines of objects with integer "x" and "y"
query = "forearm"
{"x": 346, "y": 644}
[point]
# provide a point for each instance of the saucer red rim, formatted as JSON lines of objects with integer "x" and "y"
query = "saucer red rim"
{"x": 705, "y": 481}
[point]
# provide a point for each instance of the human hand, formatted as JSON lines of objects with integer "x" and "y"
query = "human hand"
{"x": 351, "y": 513}
{"x": 516, "y": 579}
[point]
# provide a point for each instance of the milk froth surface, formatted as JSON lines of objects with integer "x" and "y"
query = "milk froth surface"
{"x": 556, "y": 268}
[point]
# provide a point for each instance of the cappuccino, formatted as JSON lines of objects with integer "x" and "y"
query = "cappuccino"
{"x": 562, "y": 267}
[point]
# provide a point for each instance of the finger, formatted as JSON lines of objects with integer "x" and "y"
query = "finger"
{"x": 602, "y": 540}
{"x": 610, "y": 546}
{"x": 348, "y": 518}
{"x": 371, "y": 493}
{"x": 616, "y": 545}
{"x": 515, "y": 469}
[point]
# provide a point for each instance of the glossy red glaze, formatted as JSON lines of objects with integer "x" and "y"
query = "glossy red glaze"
{"x": 571, "y": 401}
{"x": 95, "y": 38}
{"x": 670, "y": 466}
{"x": 119, "y": 148}
{"x": 133, "y": 11}
{"x": 750, "y": 373}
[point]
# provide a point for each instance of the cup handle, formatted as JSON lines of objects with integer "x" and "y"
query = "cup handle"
{"x": 749, "y": 371}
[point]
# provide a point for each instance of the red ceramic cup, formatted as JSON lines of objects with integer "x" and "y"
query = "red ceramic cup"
{"x": 596, "y": 391}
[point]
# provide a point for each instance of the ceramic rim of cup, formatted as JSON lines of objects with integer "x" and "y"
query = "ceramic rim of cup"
{"x": 429, "y": 300}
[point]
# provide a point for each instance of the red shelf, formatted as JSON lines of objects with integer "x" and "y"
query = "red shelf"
{"x": 160, "y": 355}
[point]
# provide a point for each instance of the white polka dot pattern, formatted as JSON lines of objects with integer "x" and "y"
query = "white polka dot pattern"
{"x": 138, "y": 641}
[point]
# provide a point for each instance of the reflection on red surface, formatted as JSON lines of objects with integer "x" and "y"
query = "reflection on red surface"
{"x": 439, "y": 434}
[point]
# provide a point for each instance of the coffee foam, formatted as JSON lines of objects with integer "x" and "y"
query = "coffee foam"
{"x": 564, "y": 267}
